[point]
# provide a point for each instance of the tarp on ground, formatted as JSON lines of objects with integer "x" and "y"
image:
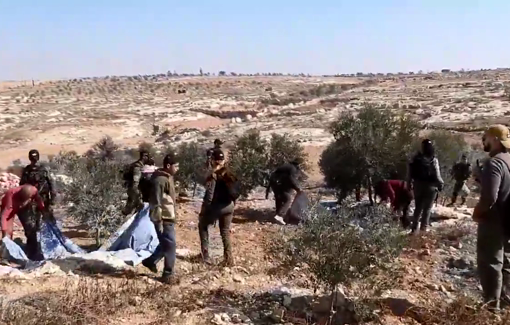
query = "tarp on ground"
{"x": 53, "y": 245}
{"x": 135, "y": 240}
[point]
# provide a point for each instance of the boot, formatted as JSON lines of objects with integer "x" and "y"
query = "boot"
{"x": 463, "y": 201}
{"x": 150, "y": 265}
{"x": 205, "y": 255}
{"x": 228, "y": 260}
{"x": 169, "y": 278}
{"x": 454, "y": 199}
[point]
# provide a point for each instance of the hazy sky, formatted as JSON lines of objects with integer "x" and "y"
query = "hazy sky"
{"x": 45, "y": 39}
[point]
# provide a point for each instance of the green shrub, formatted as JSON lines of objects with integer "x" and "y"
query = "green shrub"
{"x": 253, "y": 158}
{"x": 192, "y": 169}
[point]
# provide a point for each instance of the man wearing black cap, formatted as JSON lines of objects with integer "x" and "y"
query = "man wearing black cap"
{"x": 222, "y": 190}
{"x": 162, "y": 213}
{"x": 132, "y": 181}
{"x": 424, "y": 176}
{"x": 217, "y": 145}
{"x": 282, "y": 182}
{"x": 38, "y": 176}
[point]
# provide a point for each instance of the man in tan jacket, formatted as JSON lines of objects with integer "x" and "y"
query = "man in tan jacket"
{"x": 162, "y": 214}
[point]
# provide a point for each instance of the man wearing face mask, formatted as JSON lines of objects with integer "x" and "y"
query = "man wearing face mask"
{"x": 492, "y": 215}
{"x": 425, "y": 179}
{"x": 222, "y": 190}
{"x": 15, "y": 200}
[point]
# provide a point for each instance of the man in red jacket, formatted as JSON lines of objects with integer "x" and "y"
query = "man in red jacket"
{"x": 15, "y": 200}
{"x": 399, "y": 194}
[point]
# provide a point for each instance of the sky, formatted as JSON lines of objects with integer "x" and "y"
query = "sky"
{"x": 50, "y": 39}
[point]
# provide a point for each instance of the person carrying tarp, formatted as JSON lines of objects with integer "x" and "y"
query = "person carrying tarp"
{"x": 15, "y": 200}
{"x": 283, "y": 181}
{"x": 222, "y": 190}
{"x": 131, "y": 176}
{"x": 162, "y": 213}
{"x": 461, "y": 172}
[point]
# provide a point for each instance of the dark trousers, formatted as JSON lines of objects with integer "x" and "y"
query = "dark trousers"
{"x": 223, "y": 214}
{"x": 424, "y": 196}
{"x": 283, "y": 200}
{"x": 30, "y": 220}
{"x": 493, "y": 259}
{"x": 166, "y": 249}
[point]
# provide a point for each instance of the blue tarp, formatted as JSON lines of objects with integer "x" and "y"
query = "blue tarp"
{"x": 135, "y": 240}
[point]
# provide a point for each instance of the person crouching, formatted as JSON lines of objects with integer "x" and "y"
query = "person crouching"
{"x": 399, "y": 195}
{"x": 18, "y": 201}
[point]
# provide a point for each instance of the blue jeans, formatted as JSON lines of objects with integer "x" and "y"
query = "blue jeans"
{"x": 166, "y": 248}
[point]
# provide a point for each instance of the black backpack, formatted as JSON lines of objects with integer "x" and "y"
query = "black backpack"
{"x": 422, "y": 169}
{"x": 145, "y": 186}
{"x": 127, "y": 174}
{"x": 234, "y": 189}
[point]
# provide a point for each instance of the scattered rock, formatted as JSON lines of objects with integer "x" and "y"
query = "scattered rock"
{"x": 237, "y": 278}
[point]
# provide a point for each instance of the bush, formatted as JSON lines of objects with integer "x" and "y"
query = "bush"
{"x": 104, "y": 149}
{"x": 355, "y": 247}
{"x": 94, "y": 196}
{"x": 253, "y": 158}
{"x": 191, "y": 157}
{"x": 368, "y": 147}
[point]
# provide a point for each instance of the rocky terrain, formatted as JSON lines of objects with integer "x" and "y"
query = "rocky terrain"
{"x": 73, "y": 114}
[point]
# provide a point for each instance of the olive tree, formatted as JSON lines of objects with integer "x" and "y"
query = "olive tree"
{"x": 368, "y": 146}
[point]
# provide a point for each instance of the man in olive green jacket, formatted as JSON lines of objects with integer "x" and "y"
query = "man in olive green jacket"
{"x": 162, "y": 214}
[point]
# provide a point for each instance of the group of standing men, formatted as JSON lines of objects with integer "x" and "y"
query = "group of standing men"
{"x": 423, "y": 184}
{"x": 222, "y": 190}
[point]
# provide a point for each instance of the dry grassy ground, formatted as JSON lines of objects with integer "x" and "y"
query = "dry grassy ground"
{"x": 74, "y": 114}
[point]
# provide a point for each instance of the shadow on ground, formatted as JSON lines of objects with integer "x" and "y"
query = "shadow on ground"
{"x": 246, "y": 215}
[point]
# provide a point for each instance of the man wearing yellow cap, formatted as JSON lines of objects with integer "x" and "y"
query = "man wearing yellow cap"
{"x": 493, "y": 216}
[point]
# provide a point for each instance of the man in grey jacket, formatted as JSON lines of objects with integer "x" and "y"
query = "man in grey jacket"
{"x": 493, "y": 243}
{"x": 425, "y": 178}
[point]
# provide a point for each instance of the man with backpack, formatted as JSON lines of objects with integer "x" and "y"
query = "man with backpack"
{"x": 222, "y": 191}
{"x": 492, "y": 213}
{"x": 282, "y": 182}
{"x": 132, "y": 176}
{"x": 461, "y": 172}
{"x": 162, "y": 213}
{"x": 425, "y": 179}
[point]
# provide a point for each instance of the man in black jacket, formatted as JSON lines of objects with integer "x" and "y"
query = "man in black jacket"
{"x": 282, "y": 182}
{"x": 218, "y": 205}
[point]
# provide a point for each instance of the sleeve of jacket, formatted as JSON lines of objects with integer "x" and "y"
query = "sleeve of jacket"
{"x": 438, "y": 171}
{"x": 137, "y": 175}
{"x": 51, "y": 183}
{"x": 24, "y": 176}
{"x": 490, "y": 182}
{"x": 293, "y": 180}
{"x": 168, "y": 203}
{"x": 209, "y": 190}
